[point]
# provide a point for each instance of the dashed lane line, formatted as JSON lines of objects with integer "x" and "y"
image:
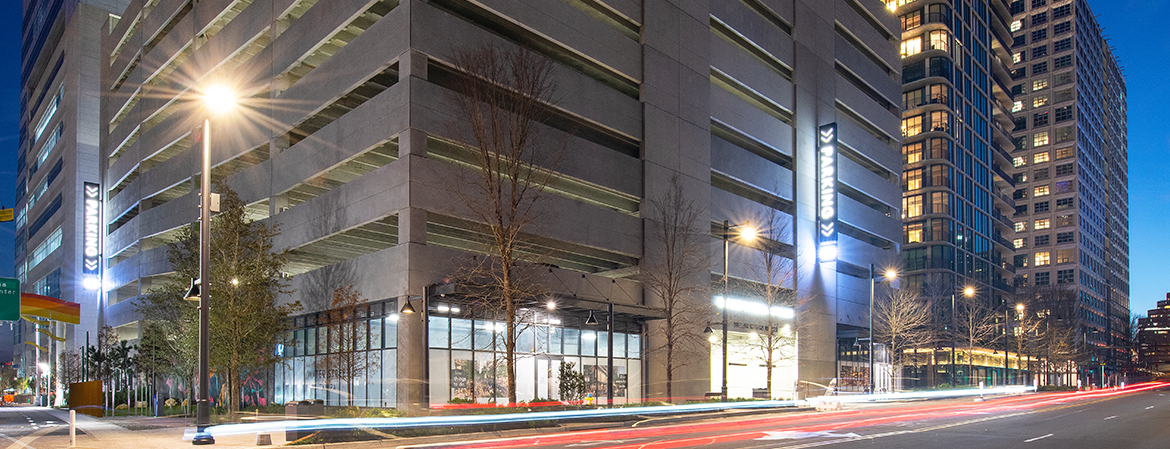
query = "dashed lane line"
{"x": 1038, "y": 438}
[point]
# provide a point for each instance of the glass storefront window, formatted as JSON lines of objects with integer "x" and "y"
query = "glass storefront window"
{"x": 460, "y": 333}
{"x": 438, "y": 332}
{"x": 572, "y": 342}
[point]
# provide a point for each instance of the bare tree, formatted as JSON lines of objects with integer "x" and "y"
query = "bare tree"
{"x": 503, "y": 97}
{"x": 673, "y": 274}
{"x": 903, "y": 320}
{"x": 1052, "y": 326}
{"x": 976, "y": 324}
{"x": 346, "y": 359}
{"x": 775, "y": 339}
{"x": 69, "y": 367}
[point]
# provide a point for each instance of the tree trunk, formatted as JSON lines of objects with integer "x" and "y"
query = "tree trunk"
{"x": 669, "y": 371}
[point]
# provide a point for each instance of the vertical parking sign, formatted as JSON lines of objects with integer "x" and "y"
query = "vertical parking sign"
{"x": 827, "y": 193}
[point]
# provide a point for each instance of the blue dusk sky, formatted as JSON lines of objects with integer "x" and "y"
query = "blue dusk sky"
{"x": 1135, "y": 29}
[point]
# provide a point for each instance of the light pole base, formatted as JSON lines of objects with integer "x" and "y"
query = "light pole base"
{"x": 202, "y": 422}
{"x": 202, "y": 438}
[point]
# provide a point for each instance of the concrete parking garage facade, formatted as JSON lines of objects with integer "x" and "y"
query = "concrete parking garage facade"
{"x": 346, "y": 140}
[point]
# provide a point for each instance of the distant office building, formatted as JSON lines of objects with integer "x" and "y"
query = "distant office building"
{"x": 1070, "y": 158}
{"x": 58, "y": 169}
{"x": 347, "y": 137}
{"x": 956, "y": 154}
{"x": 1154, "y": 338}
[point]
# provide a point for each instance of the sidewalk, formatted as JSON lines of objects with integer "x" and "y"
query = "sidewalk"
{"x": 143, "y": 432}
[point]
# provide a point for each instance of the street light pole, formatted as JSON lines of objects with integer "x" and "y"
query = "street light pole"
{"x": 872, "y": 281}
{"x": 890, "y": 275}
{"x": 203, "y": 389}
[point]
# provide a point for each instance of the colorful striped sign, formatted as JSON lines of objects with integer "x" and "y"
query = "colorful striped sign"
{"x": 51, "y": 308}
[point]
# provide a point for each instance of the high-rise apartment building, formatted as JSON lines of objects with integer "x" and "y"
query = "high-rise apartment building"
{"x": 760, "y": 108}
{"x": 57, "y": 169}
{"x": 1071, "y": 169}
{"x": 956, "y": 150}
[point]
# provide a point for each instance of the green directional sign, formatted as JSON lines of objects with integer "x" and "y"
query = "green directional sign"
{"x": 9, "y": 299}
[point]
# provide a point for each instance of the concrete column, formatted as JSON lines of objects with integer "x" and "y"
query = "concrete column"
{"x": 412, "y": 63}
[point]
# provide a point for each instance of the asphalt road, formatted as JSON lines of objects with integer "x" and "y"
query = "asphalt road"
{"x": 22, "y": 426}
{"x": 1097, "y": 420}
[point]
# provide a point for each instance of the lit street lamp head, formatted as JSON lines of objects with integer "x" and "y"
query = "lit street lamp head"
{"x": 891, "y": 274}
{"x": 1019, "y": 307}
{"x": 969, "y": 291}
{"x": 219, "y": 99}
{"x": 747, "y": 233}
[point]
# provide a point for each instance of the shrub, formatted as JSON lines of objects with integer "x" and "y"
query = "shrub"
{"x": 572, "y": 383}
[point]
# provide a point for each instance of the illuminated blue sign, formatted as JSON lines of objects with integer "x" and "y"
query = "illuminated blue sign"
{"x": 827, "y": 193}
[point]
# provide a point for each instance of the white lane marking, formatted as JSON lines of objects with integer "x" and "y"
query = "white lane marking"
{"x": 1110, "y": 417}
{"x": 1150, "y": 407}
{"x": 1037, "y": 438}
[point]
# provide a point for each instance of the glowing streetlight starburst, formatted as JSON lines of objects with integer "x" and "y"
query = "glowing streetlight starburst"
{"x": 219, "y": 99}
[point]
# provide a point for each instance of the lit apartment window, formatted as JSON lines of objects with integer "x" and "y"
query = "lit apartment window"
{"x": 1062, "y": 153}
{"x": 914, "y": 179}
{"x": 1042, "y": 224}
{"x": 1043, "y": 258}
{"x": 938, "y": 40}
{"x": 940, "y": 202}
{"x": 1040, "y": 157}
{"x": 1017, "y": 25}
{"x": 914, "y": 233}
{"x": 911, "y": 46}
{"x": 912, "y": 126}
{"x": 1039, "y": 84}
{"x": 1040, "y": 191}
{"x": 1019, "y": 243}
{"x": 1021, "y": 226}
{"x": 1066, "y": 255}
{"x": 1018, "y": 161}
{"x": 1040, "y": 101}
{"x": 1017, "y": 58}
{"x": 940, "y": 121}
{"x": 912, "y": 152}
{"x": 911, "y": 20}
{"x": 1017, "y": 106}
{"x": 911, "y": 206}
{"x": 1040, "y": 138}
